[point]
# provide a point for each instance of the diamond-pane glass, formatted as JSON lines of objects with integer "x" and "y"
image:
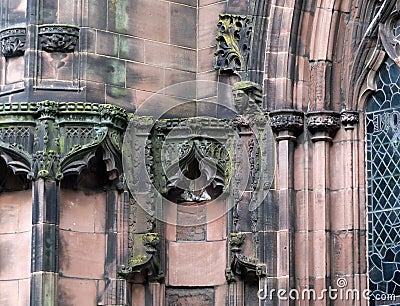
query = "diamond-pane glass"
{"x": 383, "y": 180}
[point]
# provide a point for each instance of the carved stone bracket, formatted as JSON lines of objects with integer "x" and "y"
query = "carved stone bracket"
{"x": 241, "y": 266}
{"x": 233, "y": 43}
{"x": 145, "y": 266}
{"x": 13, "y": 42}
{"x": 323, "y": 125}
{"x": 287, "y": 120}
{"x": 349, "y": 119}
{"x": 58, "y": 38}
{"x": 56, "y": 139}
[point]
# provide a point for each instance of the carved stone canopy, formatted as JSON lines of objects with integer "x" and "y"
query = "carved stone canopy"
{"x": 53, "y": 139}
{"x": 191, "y": 158}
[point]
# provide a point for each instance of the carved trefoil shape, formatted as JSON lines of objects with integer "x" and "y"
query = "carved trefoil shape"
{"x": 58, "y": 38}
{"x": 13, "y": 42}
{"x": 233, "y": 43}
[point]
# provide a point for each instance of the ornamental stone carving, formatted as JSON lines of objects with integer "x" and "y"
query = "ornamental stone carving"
{"x": 51, "y": 139}
{"x": 233, "y": 43}
{"x": 58, "y": 38}
{"x": 13, "y": 42}
{"x": 349, "y": 119}
{"x": 389, "y": 33}
{"x": 327, "y": 122}
{"x": 287, "y": 120}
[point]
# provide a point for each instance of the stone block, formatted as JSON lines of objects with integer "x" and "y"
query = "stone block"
{"x": 97, "y": 14}
{"x": 121, "y": 96}
{"x": 190, "y": 296}
{"x": 15, "y": 68}
{"x": 216, "y": 220}
{"x": 131, "y": 48}
{"x": 196, "y": 263}
{"x": 130, "y": 17}
{"x": 95, "y": 92}
{"x": 208, "y": 19}
{"x": 107, "y": 43}
{"x": 9, "y": 293}
{"x": 183, "y": 30}
{"x": 15, "y": 254}
{"x": 191, "y": 223}
{"x": 82, "y": 254}
{"x": 187, "y": 2}
{"x": 77, "y": 292}
{"x": 82, "y": 212}
{"x": 105, "y": 70}
{"x": 144, "y": 77}
{"x": 206, "y": 60}
{"x": 169, "y": 56}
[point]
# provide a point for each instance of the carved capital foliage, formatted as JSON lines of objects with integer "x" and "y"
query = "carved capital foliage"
{"x": 323, "y": 121}
{"x": 287, "y": 120}
{"x": 233, "y": 42}
{"x": 13, "y": 42}
{"x": 56, "y": 139}
{"x": 349, "y": 118}
{"x": 58, "y": 38}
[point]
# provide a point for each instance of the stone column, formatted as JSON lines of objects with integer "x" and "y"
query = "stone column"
{"x": 323, "y": 125}
{"x": 287, "y": 125}
{"x": 45, "y": 208}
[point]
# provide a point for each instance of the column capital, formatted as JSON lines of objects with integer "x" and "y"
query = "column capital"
{"x": 323, "y": 125}
{"x": 287, "y": 123}
{"x": 349, "y": 118}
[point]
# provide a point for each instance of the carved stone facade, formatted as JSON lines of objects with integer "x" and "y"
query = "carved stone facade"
{"x": 197, "y": 152}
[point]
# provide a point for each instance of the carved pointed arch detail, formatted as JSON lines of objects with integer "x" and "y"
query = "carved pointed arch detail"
{"x": 378, "y": 41}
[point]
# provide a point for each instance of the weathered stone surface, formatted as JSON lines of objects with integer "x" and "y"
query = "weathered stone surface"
{"x": 196, "y": 263}
{"x": 192, "y": 297}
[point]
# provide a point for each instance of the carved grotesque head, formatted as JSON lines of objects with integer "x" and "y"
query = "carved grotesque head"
{"x": 247, "y": 97}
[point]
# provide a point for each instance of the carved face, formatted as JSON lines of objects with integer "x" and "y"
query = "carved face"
{"x": 241, "y": 100}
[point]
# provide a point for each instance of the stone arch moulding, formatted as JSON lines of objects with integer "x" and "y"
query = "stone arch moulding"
{"x": 55, "y": 139}
{"x": 378, "y": 42}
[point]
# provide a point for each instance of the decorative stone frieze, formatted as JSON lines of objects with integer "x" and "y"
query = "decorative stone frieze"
{"x": 58, "y": 38}
{"x": 13, "y": 42}
{"x": 349, "y": 119}
{"x": 287, "y": 120}
{"x": 55, "y": 139}
{"x": 233, "y": 42}
{"x": 323, "y": 125}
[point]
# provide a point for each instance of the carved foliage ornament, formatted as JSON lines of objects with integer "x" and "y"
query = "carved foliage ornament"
{"x": 233, "y": 42}
{"x": 325, "y": 121}
{"x": 58, "y": 38}
{"x": 389, "y": 33}
{"x": 287, "y": 120}
{"x": 13, "y": 42}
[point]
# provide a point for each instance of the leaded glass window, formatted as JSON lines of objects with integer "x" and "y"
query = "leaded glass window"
{"x": 383, "y": 182}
